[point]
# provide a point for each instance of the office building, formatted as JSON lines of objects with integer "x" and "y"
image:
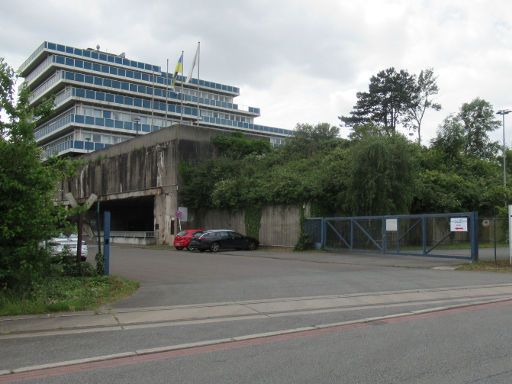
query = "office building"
{"x": 103, "y": 99}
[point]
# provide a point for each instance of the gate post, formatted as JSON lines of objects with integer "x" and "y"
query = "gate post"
{"x": 424, "y": 234}
{"x": 322, "y": 233}
{"x": 474, "y": 236}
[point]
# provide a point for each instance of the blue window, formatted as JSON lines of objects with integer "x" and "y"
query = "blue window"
{"x": 159, "y": 80}
{"x": 79, "y": 63}
{"x": 94, "y": 54}
{"x": 127, "y": 124}
{"x": 99, "y": 121}
{"x": 116, "y": 84}
{"x": 141, "y": 88}
{"x": 137, "y": 102}
{"x": 187, "y": 111}
{"x": 147, "y": 66}
{"x": 145, "y": 77}
{"x": 118, "y": 124}
{"x": 146, "y": 128}
{"x": 89, "y": 94}
{"x": 70, "y": 61}
{"x": 79, "y": 144}
{"x": 121, "y": 72}
{"x": 89, "y": 146}
{"x": 146, "y": 104}
{"x": 119, "y": 99}
{"x": 133, "y": 87}
{"x": 104, "y": 68}
{"x": 89, "y": 120}
{"x": 98, "y": 80}
{"x": 109, "y": 97}
{"x": 98, "y": 146}
{"x": 70, "y": 75}
{"x": 129, "y": 74}
{"x": 78, "y": 51}
{"x": 137, "y": 75}
{"x": 140, "y": 65}
{"x": 113, "y": 70}
{"x": 126, "y": 62}
{"x": 87, "y": 53}
{"x": 103, "y": 57}
{"x": 110, "y": 59}
{"x": 61, "y": 48}
{"x": 96, "y": 67}
{"x": 51, "y": 46}
{"x": 125, "y": 85}
{"x": 107, "y": 114}
{"x": 118, "y": 60}
{"x": 133, "y": 64}
{"x": 87, "y": 65}
{"x": 158, "y": 92}
{"x": 80, "y": 92}
{"x": 128, "y": 100}
{"x": 79, "y": 119}
{"x": 109, "y": 123}
{"x": 100, "y": 96}
{"x": 107, "y": 82}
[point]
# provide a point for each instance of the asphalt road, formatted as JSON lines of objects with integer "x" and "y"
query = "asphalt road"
{"x": 460, "y": 345}
{"x": 171, "y": 277}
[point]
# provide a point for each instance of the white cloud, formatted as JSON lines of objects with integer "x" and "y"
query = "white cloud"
{"x": 300, "y": 61}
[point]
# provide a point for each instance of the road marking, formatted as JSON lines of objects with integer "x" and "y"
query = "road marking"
{"x": 190, "y": 349}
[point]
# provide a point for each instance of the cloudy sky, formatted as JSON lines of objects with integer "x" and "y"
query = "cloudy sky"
{"x": 299, "y": 61}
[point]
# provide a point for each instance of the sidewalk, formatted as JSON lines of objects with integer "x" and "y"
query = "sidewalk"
{"x": 122, "y": 319}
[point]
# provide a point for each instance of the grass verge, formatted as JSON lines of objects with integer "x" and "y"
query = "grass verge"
{"x": 490, "y": 266}
{"x": 61, "y": 294}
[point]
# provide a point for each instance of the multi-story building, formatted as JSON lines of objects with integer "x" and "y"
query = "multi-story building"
{"x": 103, "y": 99}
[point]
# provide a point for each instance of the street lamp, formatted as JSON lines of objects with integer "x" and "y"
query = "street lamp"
{"x": 504, "y": 112}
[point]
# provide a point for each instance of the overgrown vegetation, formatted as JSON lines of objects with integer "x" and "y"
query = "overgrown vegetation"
{"x": 376, "y": 171}
{"x": 65, "y": 293}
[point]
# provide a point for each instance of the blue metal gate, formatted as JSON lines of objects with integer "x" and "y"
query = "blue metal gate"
{"x": 453, "y": 235}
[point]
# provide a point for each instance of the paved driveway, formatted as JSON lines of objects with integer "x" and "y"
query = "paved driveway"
{"x": 170, "y": 277}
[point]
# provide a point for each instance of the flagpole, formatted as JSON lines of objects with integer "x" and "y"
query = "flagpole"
{"x": 198, "y": 61}
{"x": 181, "y": 95}
{"x": 166, "y": 92}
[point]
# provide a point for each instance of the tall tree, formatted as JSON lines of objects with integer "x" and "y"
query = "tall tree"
{"x": 28, "y": 214}
{"x": 390, "y": 95}
{"x": 466, "y": 133}
{"x": 426, "y": 88}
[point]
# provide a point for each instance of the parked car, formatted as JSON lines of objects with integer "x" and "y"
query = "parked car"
{"x": 58, "y": 245}
{"x": 183, "y": 238}
{"x": 217, "y": 239}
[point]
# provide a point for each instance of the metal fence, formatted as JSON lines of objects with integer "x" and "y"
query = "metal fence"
{"x": 440, "y": 235}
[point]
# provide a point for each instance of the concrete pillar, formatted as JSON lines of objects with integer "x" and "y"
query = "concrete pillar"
{"x": 165, "y": 217}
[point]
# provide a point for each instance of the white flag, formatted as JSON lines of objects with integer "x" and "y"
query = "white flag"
{"x": 196, "y": 59}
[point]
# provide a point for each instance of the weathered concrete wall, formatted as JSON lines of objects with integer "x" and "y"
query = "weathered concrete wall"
{"x": 144, "y": 166}
{"x": 279, "y": 225}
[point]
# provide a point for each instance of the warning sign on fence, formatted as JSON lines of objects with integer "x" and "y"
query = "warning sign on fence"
{"x": 459, "y": 224}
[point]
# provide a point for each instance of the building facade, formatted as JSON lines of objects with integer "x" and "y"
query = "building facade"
{"x": 103, "y": 99}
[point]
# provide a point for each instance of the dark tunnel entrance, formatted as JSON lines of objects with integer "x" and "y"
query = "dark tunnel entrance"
{"x": 133, "y": 214}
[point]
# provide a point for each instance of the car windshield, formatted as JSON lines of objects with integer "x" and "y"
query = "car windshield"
{"x": 182, "y": 233}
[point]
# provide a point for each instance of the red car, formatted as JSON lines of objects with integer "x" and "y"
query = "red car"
{"x": 182, "y": 239}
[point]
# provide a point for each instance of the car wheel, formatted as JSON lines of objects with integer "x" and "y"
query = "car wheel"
{"x": 215, "y": 247}
{"x": 179, "y": 248}
{"x": 252, "y": 246}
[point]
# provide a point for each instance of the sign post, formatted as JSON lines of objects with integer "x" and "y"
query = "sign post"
{"x": 510, "y": 233}
{"x": 106, "y": 243}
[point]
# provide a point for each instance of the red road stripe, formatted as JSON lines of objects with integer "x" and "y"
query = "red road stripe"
{"x": 157, "y": 356}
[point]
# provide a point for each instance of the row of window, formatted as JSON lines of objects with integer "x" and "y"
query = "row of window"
{"x": 163, "y": 78}
{"x": 133, "y": 101}
{"x": 152, "y": 91}
{"x": 97, "y": 55}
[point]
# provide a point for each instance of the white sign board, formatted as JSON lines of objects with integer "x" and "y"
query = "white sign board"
{"x": 459, "y": 224}
{"x": 392, "y": 225}
{"x": 182, "y": 214}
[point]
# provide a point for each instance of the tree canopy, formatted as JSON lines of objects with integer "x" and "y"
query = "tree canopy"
{"x": 28, "y": 214}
